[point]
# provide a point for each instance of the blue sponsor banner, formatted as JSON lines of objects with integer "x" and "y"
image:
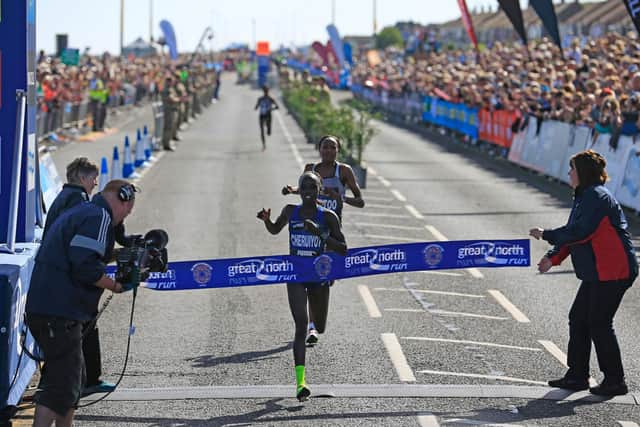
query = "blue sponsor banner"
{"x": 451, "y": 115}
{"x": 366, "y": 261}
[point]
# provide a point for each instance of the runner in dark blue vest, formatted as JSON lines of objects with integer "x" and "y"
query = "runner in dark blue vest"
{"x": 336, "y": 178}
{"x": 266, "y": 104}
{"x": 312, "y": 230}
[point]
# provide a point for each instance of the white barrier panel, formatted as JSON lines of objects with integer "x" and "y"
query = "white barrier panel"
{"x": 518, "y": 144}
{"x": 629, "y": 190}
{"x": 554, "y": 137}
{"x": 49, "y": 180}
{"x": 616, "y": 158}
{"x": 579, "y": 142}
{"x": 550, "y": 150}
{"x": 531, "y": 150}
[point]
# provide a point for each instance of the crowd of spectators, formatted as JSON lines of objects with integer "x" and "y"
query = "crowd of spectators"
{"x": 594, "y": 83}
{"x": 113, "y": 80}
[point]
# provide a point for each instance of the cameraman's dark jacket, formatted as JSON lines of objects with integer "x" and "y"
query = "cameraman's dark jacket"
{"x": 71, "y": 259}
{"x": 596, "y": 236}
{"x": 70, "y": 196}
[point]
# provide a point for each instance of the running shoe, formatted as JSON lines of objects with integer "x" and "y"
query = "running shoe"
{"x": 302, "y": 393}
{"x": 312, "y": 337}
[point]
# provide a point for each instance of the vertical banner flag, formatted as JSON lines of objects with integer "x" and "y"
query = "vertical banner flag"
{"x": 514, "y": 13}
{"x": 169, "y": 38}
{"x": 468, "y": 24}
{"x": 348, "y": 54}
{"x": 336, "y": 41}
{"x": 547, "y": 14}
{"x": 321, "y": 50}
{"x": 633, "y": 7}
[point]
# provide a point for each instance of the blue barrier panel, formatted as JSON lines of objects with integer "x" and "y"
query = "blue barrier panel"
{"x": 427, "y": 116}
{"x": 15, "y": 272}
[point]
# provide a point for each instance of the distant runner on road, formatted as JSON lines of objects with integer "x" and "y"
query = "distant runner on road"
{"x": 266, "y": 104}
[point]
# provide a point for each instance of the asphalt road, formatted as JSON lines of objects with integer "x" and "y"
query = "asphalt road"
{"x": 491, "y": 333}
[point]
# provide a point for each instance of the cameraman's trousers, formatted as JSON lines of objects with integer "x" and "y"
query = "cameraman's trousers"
{"x": 91, "y": 352}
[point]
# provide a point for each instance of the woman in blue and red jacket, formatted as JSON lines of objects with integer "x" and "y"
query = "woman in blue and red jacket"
{"x": 603, "y": 257}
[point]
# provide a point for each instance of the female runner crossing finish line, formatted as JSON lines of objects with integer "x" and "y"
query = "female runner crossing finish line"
{"x": 312, "y": 230}
{"x": 336, "y": 178}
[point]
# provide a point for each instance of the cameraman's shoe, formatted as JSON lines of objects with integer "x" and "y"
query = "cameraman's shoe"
{"x": 607, "y": 388}
{"x": 101, "y": 387}
{"x": 570, "y": 384}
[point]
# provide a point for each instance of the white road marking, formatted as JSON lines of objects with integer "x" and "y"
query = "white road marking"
{"x": 445, "y": 313}
{"x": 369, "y": 302}
{"x": 370, "y": 198}
{"x": 395, "y": 227}
{"x": 487, "y": 344}
{"x": 413, "y": 211}
{"x": 287, "y": 135}
{"x": 398, "y": 195}
{"x": 487, "y": 377}
{"x": 373, "y": 205}
{"x": 398, "y": 359}
{"x": 477, "y": 422}
{"x": 383, "y": 181}
{"x": 475, "y": 273}
{"x": 434, "y": 231}
{"x": 442, "y": 238}
{"x": 359, "y": 212}
{"x": 508, "y": 305}
{"x": 627, "y": 424}
{"x": 442, "y": 273}
{"x": 426, "y": 291}
{"x": 394, "y": 238}
{"x": 555, "y": 351}
{"x": 144, "y": 171}
{"x": 461, "y": 314}
{"x": 428, "y": 420}
{"x": 372, "y": 170}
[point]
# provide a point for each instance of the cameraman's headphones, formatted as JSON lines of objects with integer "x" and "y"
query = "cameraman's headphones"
{"x": 127, "y": 192}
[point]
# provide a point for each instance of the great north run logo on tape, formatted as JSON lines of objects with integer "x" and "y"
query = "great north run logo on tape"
{"x": 433, "y": 255}
{"x": 497, "y": 253}
{"x": 201, "y": 273}
{"x": 322, "y": 265}
{"x": 378, "y": 259}
{"x": 267, "y": 269}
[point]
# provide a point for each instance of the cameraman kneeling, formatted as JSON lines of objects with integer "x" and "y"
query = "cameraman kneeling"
{"x": 66, "y": 285}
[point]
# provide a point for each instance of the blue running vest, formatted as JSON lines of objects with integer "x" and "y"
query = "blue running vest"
{"x": 301, "y": 242}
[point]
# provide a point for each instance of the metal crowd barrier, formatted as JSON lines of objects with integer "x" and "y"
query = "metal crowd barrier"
{"x": 69, "y": 115}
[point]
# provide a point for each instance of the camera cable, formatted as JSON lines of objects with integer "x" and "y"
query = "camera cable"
{"x": 126, "y": 355}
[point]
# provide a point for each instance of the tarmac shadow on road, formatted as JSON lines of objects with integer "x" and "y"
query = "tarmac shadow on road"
{"x": 208, "y": 361}
{"x": 545, "y": 407}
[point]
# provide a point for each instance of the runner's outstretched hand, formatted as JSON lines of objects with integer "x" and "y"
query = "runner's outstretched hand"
{"x": 264, "y": 214}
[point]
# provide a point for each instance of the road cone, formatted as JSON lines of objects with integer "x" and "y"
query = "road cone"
{"x": 140, "y": 159}
{"x": 104, "y": 174}
{"x": 116, "y": 169}
{"x": 127, "y": 165}
{"x": 147, "y": 144}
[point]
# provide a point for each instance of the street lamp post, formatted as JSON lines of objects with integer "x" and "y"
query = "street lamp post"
{"x": 121, "y": 26}
{"x": 375, "y": 18}
{"x": 150, "y": 21}
{"x": 333, "y": 12}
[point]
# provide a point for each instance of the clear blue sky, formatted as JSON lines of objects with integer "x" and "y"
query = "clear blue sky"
{"x": 96, "y": 23}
